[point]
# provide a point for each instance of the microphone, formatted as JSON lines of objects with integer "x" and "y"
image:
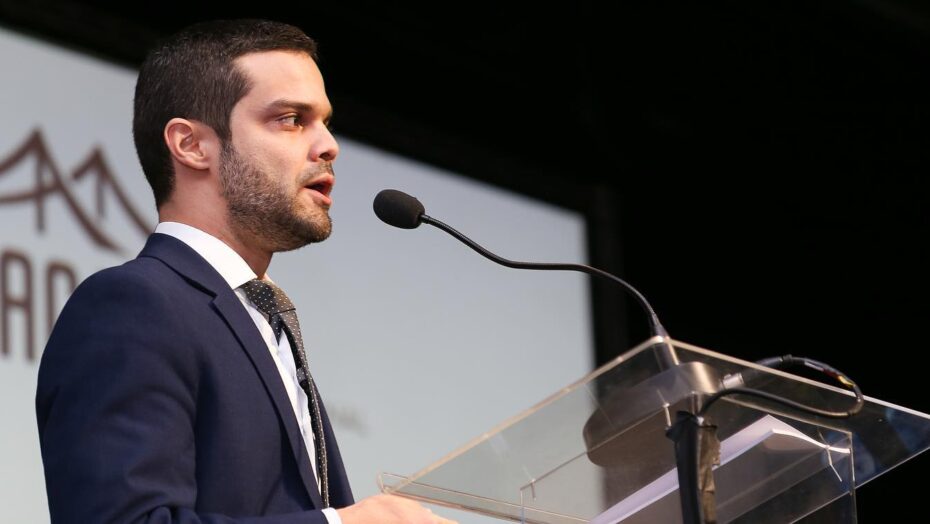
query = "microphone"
{"x": 399, "y": 209}
{"x": 605, "y": 433}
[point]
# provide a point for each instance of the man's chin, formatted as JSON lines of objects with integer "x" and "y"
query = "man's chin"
{"x": 318, "y": 227}
{"x": 308, "y": 233}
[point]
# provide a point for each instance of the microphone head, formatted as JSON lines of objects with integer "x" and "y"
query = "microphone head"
{"x": 398, "y": 209}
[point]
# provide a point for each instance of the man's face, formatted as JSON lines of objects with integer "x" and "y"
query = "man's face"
{"x": 276, "y": 170}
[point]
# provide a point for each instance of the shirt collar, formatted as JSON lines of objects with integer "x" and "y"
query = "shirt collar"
{"x": 234, "y": 270}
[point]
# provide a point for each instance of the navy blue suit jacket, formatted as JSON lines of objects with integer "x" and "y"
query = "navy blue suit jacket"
{"x": 158, "y": 402}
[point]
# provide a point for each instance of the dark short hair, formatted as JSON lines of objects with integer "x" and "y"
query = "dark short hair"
{"x": 191, "y": 75}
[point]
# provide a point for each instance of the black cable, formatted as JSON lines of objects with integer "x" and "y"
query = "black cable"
{"x": 786, "y": 361}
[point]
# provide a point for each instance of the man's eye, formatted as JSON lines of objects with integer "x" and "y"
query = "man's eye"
{"x": 293, "y": 120}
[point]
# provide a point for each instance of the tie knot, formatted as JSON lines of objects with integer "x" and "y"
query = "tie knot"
{"x": 267, "y": 297}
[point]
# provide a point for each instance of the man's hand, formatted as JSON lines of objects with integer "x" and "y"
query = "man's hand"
{"x": 387, "y": 509}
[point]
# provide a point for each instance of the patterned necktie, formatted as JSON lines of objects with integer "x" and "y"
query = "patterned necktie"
{"x": 282, "y": 315}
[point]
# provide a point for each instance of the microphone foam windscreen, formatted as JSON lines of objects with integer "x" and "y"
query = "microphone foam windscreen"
{"x": 398, "y": 209}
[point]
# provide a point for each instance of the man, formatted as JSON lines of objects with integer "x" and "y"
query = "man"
{"x": 175, "y": 388}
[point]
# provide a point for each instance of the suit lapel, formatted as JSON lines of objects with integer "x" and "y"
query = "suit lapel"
{"x": 339, "y": 490}
{"x": 194, "y": 268}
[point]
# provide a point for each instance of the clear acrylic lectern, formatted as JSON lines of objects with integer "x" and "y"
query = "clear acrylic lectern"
{"x": 596, "y": 451}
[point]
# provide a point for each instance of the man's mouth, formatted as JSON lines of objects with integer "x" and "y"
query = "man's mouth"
{"x": 322, "y": 184}
{"x": 320, "y": 187}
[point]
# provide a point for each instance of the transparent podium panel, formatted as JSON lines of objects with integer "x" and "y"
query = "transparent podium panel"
{"x": 596, "y": 451}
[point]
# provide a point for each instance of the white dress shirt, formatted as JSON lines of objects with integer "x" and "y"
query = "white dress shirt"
{"x": 235, "y": 271}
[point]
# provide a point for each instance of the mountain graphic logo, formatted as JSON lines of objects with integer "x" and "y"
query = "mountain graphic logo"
{"x": 49, "y": 180}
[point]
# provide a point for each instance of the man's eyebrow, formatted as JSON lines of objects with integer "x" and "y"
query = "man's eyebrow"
{"x": 294, "y": 105}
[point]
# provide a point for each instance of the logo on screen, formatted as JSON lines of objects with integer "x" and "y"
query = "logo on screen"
{"x": 80, "y": 201}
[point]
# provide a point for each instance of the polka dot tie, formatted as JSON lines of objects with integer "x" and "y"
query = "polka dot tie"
{"x": 282, "y": 315}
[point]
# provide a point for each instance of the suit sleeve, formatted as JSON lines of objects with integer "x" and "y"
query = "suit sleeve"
{"x": 116, "y": 406}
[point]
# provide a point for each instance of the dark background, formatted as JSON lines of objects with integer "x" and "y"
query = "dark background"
{"x": 757, "y": 169}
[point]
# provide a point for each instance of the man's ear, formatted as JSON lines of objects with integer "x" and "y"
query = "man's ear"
{"x": 191, "y": 143}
